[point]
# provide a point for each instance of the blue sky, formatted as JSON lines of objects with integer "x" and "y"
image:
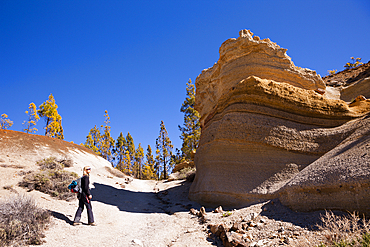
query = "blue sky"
{"x": 133, "y": 58}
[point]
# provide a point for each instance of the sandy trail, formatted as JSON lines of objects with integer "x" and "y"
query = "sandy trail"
{"x": 130, "y": 216}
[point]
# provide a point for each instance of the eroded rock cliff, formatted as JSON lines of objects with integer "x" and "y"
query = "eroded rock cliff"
{"x": 263, "y": 122}
{"x": 247, "y": 56}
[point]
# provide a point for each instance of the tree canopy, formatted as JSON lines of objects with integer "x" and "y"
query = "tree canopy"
{"x": 48, "y": 111}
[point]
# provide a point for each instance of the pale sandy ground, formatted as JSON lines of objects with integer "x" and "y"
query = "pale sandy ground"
{"x": 130, "y": 216}
{"x": 151, "y": 213}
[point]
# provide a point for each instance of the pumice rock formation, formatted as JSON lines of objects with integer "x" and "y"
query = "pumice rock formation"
{"x": 247, "y": 56}
{"x": 264, "y": 121}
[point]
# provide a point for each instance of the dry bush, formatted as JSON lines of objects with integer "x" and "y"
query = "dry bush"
{"x": 115, "y": 172}
{"x": 12, "y": 166}
{"x": 187, "y": 173}
{"x": 52, "y": 179}
{"x": 50, "y": 163}
{"x": 22, "y": 222}
{"x": 343, "y": 231}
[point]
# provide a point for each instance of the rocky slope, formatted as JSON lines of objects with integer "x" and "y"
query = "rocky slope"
{"x": 351, "y": 82}
{"x": 264, "y": 123}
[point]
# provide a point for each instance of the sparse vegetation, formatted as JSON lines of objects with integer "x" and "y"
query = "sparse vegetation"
{"x": 332, "y": 72}
{"x": 342, "y": 231}
{"x": 226, "y": 214}
{"x": 51, "y": 179}
{"x": 187, "y": 173}
{"x": 355, "y": 62}
{"x": 5, "y": 122}
{"x": 115, "y": 172}
{"x": 22, "y": 222}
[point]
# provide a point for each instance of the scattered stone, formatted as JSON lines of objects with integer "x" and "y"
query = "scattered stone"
{"x": 137, "y": 242}
{"x": 219, "y": 210}
{"x": 253, "y": 216}
{"x": 202, "y": 212}
{"x": 236, "y": 227}
{"x": 252, "y": 224}
{"x": 194, "y": 211}
{"x": 234, "y": 239}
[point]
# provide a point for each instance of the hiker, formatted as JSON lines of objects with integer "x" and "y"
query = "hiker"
{"x": 84, "y": 198}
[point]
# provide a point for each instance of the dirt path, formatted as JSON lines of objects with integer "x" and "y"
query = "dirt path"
{"x": 130, "y": 216}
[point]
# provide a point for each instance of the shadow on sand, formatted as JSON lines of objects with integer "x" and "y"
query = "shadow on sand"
{"x": 61, "y": 217}
{"x": 143, "y": 202}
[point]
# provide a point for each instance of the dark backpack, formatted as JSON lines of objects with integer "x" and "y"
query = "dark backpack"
{"x": 75, "y": 186}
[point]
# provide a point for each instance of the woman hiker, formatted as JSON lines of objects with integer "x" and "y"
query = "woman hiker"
{"x": 84, "y": 198}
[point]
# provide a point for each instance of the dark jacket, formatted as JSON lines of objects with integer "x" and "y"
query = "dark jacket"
{"x": 85, "y": 185}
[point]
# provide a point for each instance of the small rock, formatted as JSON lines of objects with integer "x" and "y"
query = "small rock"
{"x": 247, "y": 236}
{"x": 234, "y": 239}
{"x": 253, "y": 216}
{"x": 273, "y": 236}
{"x": 235, "y": 227}
{"x": 194, "y": 211}
{"x": 258, "y": 244}
{"x": 213, "y": 228}
{"x": 202, "y": 212}
{"x": 281, "y": 229}
{"x": 219, "y": 210}
{"x": 244, "y": 226}
{"x": 252, "y": 224}
{"x": 137, "y": 242}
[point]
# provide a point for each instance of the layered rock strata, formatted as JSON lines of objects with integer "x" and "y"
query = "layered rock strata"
{"x": 247, "y": 56}
{"x": 257, "y": 133}
{"x": 340, "y": 179}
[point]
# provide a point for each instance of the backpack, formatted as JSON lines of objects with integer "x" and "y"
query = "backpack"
{"x": 75, "y": 186}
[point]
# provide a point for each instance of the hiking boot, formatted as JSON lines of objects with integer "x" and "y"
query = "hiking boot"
{"x": 92, "y": 224}
{"x": 76, "y": 223}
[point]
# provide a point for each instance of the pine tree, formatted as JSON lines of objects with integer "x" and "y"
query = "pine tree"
{"x": 164, "y": 151}
{"x": 190, "y": 132}
{"x": 138, "y": 163}
{"x": 158, "y": 168}
{"x": 148, "y": 171}
{"x": 120, "y": 150}
{"x": 48, "y": 110}
{"x": 107, "y": 142}
{"x": 93, "y": 140}
{"x": 131, "y": 151}
{"x": 5, "y": 122}
{"x": 32, "y": 119}
{"x": 126, "y": 163}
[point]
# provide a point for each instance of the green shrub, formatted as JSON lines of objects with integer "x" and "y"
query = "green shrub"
{"x": 22, "y": 222}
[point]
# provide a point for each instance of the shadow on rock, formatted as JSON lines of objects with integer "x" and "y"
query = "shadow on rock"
{"x": 167, "y": 201}
{"x": 275, "y": 210}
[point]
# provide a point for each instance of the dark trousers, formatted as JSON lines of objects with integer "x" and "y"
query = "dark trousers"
{"x": 84, "y": 201}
